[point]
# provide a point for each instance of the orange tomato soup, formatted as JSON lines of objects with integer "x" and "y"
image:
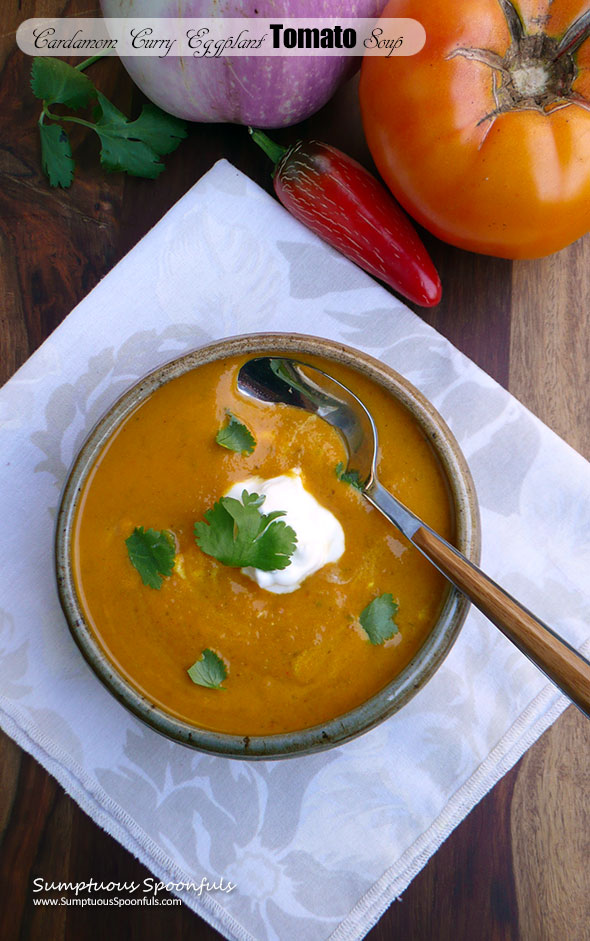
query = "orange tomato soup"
{"x": 293, "y": 660}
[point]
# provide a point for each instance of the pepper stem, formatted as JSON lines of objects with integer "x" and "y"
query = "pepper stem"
{"x": 271, "y": 148}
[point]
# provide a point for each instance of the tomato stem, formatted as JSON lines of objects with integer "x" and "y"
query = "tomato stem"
{"x": 537, "y": 71}
{"x": 513, "y": 21}
{"x": 577, "y": 33}
{"x": 271, "y": 148}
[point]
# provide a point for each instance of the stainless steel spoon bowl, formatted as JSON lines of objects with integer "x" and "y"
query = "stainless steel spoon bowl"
{"x": 291, "y": 382}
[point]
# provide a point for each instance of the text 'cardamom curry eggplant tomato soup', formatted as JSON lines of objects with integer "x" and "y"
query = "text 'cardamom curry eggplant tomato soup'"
{"x": 232, "y": 571}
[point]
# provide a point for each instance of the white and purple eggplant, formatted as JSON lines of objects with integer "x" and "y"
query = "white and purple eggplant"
{"x": 257, "y": 90}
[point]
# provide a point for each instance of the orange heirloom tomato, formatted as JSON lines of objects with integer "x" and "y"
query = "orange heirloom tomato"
{"x": 484, "y": 135}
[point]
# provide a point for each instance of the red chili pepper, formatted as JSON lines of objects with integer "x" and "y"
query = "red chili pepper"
{"x": 344, "y": 204}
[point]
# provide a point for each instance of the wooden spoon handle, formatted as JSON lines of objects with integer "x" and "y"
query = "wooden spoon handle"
{"x": 568, "y": 669}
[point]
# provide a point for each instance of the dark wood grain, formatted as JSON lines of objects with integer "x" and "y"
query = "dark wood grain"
{"x": 517, "y": 865}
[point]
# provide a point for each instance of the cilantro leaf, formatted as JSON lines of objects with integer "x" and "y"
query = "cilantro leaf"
{"x": 56, "y": 155}
{"x": 351, "y": 477}
{"x": 238, "y": 534}
{"x": 209, "y": 670}
{"x": 160, "y": 130}
{"x": 152, "y": 553}
{"x": 56, "y": 82}
{"x": 256, "y": 499}
{"x": 235, "y": 436}
{"x": 377, "y": 618}
{"x": 135, "y": 146}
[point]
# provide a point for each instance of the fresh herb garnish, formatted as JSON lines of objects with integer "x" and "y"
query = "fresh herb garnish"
{"x": 235, "y": 436}
{"x": 377, "y": 619}
{"x": 134, "y": 147}
{"x": 351, "y": 477}
{"x": 209, "y": 670}
{"x": 238, "y": 534}
{"x": 56, "y": 155}
{"x": 152, "y": 553}
{"x": 58, "y": 83}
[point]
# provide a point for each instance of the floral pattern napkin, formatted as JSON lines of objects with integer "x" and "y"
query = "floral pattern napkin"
{"x": 317, "y": 847}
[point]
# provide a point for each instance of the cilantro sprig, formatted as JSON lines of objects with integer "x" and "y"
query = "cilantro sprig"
{"x": 351, "y": 477}
{"x": 134, "y": 147}
{"x": 152, "y": 553}
{"x": 209, "y": 670}
{"x": 377, "y": 619}
{"x": 235, "y": 436}
{"x": 239, "y": 535}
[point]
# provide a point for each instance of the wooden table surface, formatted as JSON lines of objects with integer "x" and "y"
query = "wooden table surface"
{"x": 517, "y": 867}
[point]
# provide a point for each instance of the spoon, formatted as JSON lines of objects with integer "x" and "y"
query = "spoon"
{"x": 279, "y": 380}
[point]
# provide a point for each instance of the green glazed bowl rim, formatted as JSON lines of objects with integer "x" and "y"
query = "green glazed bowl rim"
{"x": 402, "y": 687}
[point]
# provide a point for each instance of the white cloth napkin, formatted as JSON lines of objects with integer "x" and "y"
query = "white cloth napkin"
{"x": 317, "y": 846}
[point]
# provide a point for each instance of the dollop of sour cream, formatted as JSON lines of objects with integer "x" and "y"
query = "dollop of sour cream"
{"x": 320, "y": 537}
